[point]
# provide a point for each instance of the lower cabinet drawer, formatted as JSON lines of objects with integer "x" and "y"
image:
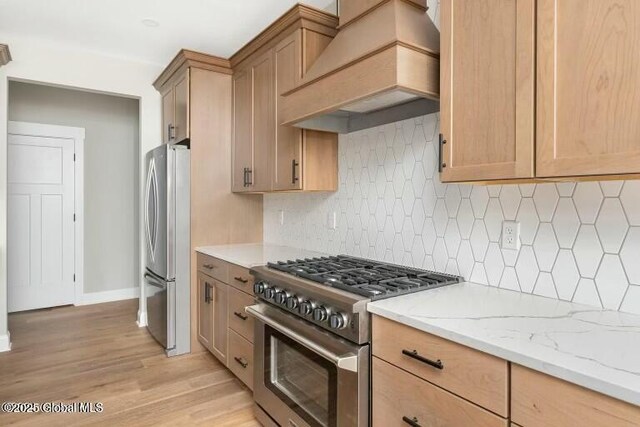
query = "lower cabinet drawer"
{"x": 539, "y": 400}
{"x": 240, "y": 278}
{"x": 476, "y": 376}
{"x": 401, "y": 399}
{"x": 239, "y": 321}
{"x": 240, "y": 358}
{"x": 213, "y": 267}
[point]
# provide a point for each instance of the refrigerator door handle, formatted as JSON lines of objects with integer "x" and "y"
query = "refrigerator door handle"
{"x": 151, "y": 224}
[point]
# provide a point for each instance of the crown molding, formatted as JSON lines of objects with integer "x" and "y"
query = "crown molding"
{"x": 191, "y": 59}
{"x": 5, "y": 55}
{"x": 302, "y": 15}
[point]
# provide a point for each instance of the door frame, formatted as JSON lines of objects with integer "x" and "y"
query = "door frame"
{"x": 78, "y": 136}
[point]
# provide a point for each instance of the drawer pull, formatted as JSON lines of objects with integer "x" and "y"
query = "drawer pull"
{"x": 240, "y": 315}
{"x": 241, "y": 280}
{"x": 241, "y": 361}
{"x": 209, "y": 266}
{"x": 414, "y": 354}
{"x": 413, "y": 422}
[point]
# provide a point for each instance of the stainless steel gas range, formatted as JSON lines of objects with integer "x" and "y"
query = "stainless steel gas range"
{"x": 312, "y": 336}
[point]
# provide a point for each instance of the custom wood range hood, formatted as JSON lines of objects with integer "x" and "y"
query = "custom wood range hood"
{"x": 382, "y": 66}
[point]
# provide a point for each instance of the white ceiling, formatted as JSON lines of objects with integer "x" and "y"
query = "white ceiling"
{"x": 115, "y": 27}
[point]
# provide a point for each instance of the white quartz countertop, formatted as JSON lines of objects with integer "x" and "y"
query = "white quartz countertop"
{"x": 254, "y": 254}
{"x": 597, "y": 349}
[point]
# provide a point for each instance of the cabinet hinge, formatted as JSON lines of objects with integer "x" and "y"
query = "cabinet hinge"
{"x": 74, "y": 277}
{"x": 74, "y": 217}
{"x": 74, "y": 157}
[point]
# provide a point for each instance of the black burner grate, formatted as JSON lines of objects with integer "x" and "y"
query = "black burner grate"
{"x": 373, "y": 279}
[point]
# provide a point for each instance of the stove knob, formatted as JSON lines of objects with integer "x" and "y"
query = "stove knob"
{"x": 337, "y": 321}
{"x": 258, "y": 287}
{"x": 269, "y": 293}
{"x": 320, "y": 314}
{"x": 306, "y": 308}
{"x": 292, "y": 302}
{"x": 281, "y": 297}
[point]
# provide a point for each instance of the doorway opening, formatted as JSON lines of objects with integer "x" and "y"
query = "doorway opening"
{"x": 73, "y": 224}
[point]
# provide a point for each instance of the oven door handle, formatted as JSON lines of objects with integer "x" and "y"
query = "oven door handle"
{"x": 347, "y": 362}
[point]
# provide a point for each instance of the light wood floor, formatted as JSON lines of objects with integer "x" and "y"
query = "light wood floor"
{"x": 97, "y": 353}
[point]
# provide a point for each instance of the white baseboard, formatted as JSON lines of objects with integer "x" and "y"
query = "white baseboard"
{"x": 108, "y": 296}
{"x": 5, "y": 342}
{"x": 142, "y": 319}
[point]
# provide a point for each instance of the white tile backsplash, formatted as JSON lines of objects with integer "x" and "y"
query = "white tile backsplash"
{"x": 579, "y": 242}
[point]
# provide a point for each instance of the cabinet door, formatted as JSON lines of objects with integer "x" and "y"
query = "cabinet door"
{"x": 288, "y": 145}
{"x": 588, "y": 87}
{"x": 220, "y": 334}
{"x": 181, "y": 102}
{"x": 264, "y": 121}
{"x": 205, "y": 311}
{"x": 487, "y": 89}
{"x": 167, "y": 114}
{"x": 242, "y": 129}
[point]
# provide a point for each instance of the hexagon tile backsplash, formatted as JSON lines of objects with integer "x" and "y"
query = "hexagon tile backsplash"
{"x": 580, "y": 242}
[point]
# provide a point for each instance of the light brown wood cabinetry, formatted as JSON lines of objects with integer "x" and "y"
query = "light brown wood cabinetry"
{"x": 240, "y": 321}
{"x": 398, "y": 395}
{"x": 175, "y": 108}
{"x": 205, "y": 311}
{"x": 428, "y": 380}
{"x": 476, "y": 376}
{"x": 241, "y": 358}
{"x": 267, "y": 155}
{"x": 539, "y": 400}
{"x": 582, "y": 57}
{"x": 242, "y": 130}
{"x": 223, "y": 326}
{"x": 588, "y": 87}
{"x": 197, "y": 91}
{"x": 487, "y": 89}
{"x": 264, "y": 121}
{"x": 220, "y": 299}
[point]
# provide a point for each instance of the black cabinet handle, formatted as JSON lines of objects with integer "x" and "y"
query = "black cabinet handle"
{"x": 207, "y": 292}
{"x": 171, "y": 132}
{"x": 244, "y": 177}
{"x": 241, "y": 280}
{"x": 294, "y": 165}
{"x": 413, "y": 422}
{"x": 414, "y": 355}
{"x": 441, "y": 163}
{"x": 241, "y": 361}
{"x": 240, "y": 315}
{"x": 249, "y": 177}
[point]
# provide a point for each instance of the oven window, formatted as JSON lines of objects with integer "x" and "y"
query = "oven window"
{"x": 306, "y": 382}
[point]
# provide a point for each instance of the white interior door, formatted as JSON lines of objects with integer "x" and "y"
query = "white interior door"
{"x": 41, "y": 243}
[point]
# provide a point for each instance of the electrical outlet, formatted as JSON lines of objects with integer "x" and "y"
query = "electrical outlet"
{"x": 332, "y": 220}
{"x": 511, "y": 235}
{"x": 281, "y": 217}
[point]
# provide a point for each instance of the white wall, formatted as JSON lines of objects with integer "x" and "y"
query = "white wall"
{"x": 111, "y": 170}
{"x": 40, "y": 61}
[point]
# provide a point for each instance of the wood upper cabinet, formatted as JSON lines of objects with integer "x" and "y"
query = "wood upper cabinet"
{"x": 487, "y": 89}
{"x": 242, "y": 130}
{"x": 288, "y": 144}
{"x": 175, "y": 108}
{"x": 588, "y": 87}
{"x": 264, "y": 121}
{"x": 267, "y": 155}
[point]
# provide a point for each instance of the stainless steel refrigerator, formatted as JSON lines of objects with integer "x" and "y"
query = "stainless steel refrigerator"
{"x": 167, "y": 242}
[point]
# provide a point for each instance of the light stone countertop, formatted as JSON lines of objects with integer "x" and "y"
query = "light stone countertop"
{"x": 597, "y": 349}
{"x": 250, "y": 255}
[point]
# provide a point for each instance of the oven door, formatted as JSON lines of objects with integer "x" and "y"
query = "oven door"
{"x": 305, "y": 376}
